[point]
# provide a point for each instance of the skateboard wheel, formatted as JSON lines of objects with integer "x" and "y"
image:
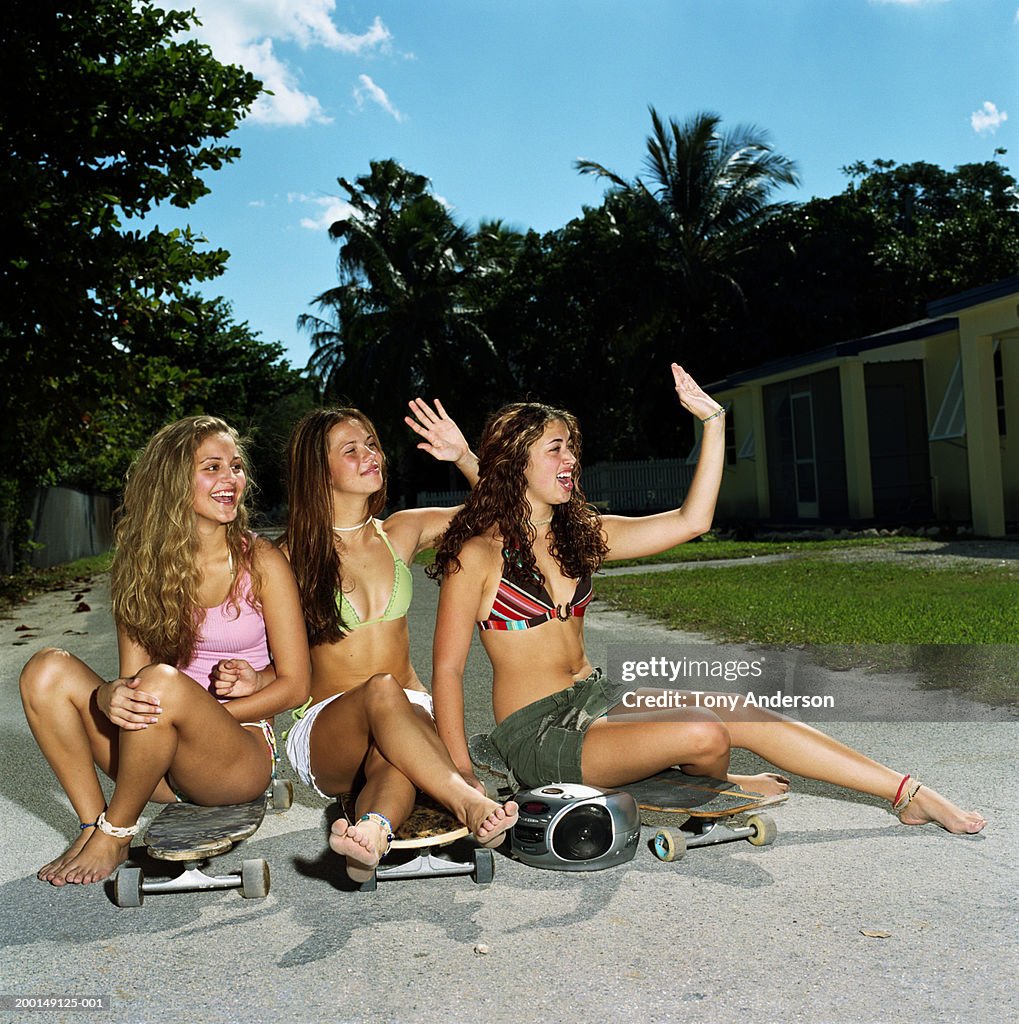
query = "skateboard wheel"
{"x": 281, "y": 794}
{"x": 669, "y": 844}
{"x": 255, "y": 879}
{"x": 766, "y": 830}
{"x": 484, "y": 866}
{"x": 127, "y": 888}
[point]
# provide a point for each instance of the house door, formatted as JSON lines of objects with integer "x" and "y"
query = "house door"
{"x": 804, "y": 454}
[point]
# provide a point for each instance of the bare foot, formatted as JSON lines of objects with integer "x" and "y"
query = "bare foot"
{"x": 767, "y": 783}
{"x": 54, "y": 871}
{"x": 363, "y": 845}
{"x": 99, "y": 858}
{"x": 491, "y": 830}
{"x": 928, "y": 806}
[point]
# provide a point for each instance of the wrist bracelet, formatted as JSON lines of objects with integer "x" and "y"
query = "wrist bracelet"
{"x": 720, "y": 412}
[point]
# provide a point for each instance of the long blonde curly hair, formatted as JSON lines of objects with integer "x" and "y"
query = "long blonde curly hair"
{"x": 498, "y": 499}
{"x": 155, "y": 577}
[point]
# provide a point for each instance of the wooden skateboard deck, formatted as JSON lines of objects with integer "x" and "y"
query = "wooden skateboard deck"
{"x": 672, "y": 792}
{"x": 189, "y": 831}
{"x": 429, "y": 826}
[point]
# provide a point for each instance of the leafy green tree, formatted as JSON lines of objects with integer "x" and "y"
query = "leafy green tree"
{"x": 873, "y": 256}
{"x": 706, "y": 196}
{"x": 106, "y": 112}
{"x": 401, "y": 320}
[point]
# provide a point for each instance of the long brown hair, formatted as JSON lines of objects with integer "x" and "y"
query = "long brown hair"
{"x": 309, "y": 537}
{"x": 155, "y": 576}
{"x": 499, "y": 499}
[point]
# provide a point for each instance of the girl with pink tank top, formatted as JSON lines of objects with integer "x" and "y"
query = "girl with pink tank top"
{"x": 197, "y": 599}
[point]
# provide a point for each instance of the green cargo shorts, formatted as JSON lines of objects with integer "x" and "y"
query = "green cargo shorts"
{"x": 542, "y": 741}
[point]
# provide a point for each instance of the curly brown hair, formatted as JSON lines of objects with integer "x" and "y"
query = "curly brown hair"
{"x": 499, "y": 500}
{"x": 155, "y": 576}
{"x": 308, "y": 536}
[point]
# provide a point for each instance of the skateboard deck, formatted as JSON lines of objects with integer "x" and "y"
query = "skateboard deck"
{"x": 698, "y": 811}
{"x": 429, "y": 827}
{"x": 191, "y": 834}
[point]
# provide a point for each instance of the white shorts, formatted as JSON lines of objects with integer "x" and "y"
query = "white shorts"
{"x": 299, "y": 737}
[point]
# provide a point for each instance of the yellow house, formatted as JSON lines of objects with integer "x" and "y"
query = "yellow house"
{"x": 907, "y": 426}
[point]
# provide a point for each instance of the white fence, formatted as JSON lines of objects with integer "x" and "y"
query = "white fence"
{"x": 614, "y": 486}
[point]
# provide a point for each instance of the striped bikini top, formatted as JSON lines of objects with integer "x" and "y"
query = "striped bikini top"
{"x": 523, "y": 606}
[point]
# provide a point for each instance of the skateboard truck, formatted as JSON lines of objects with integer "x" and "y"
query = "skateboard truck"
{"x": 481, "y": 868}
{"x": 670, "y": 844}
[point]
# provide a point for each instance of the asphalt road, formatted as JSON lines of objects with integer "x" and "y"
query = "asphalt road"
{"x": 731, "y": 933}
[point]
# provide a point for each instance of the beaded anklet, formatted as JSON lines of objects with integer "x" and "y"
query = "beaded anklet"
{"x": 383, "y": 823}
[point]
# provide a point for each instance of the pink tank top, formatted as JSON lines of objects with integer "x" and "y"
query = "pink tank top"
{"x": 229, "y": 633}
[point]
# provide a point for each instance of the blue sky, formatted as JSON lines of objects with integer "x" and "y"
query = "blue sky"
{"x": 494, "y": 100}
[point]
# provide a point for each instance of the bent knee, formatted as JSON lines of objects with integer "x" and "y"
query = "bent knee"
{"x": 165, "y": 682}
{"x": 384, "y": 690}
{"x": 46, "y": 671}
{"x": 707, "y": 739}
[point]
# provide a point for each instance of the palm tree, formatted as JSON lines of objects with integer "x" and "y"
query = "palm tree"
{"x": 706, "y": 195}
{"x": 397, "y": 324}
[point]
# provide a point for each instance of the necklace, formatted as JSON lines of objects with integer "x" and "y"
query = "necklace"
{"x": 539, "y": 522}
{"x": 350, "y": 529}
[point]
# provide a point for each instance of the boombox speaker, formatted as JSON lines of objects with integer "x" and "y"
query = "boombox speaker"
{"x": 569, "y": 827}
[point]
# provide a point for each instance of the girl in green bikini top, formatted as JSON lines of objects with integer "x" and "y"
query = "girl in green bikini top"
{"x": 363, "y": 732}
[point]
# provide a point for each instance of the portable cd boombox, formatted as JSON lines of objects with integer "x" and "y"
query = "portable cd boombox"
{"x": 569, "y": 827}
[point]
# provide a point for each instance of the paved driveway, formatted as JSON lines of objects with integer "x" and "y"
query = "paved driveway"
{"x": 732, "y": 933}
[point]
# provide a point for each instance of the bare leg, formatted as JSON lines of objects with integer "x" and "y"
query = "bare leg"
{"x": 796, "y": 747}
{"x": 386, "y": 791}
{"x": 57, "y": 690}
{"x": 208, "y": 753}
{"x": 378, "y": 713}
{"x": 789, "y": 745}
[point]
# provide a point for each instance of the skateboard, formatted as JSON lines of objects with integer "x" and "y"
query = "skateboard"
{"x": 706, "y": 811}
{"x": 191, "y": 835}
{"x": 419, "y": 847}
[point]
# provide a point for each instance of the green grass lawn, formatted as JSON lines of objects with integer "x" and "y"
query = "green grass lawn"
{"x": 708, "y": 548}
{"x": 811, "y": 600}
{"x": 861, "y": 605}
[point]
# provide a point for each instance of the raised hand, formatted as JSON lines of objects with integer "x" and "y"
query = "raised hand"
{"x": 443, "y": 439}
{"x": 692, "y": 398}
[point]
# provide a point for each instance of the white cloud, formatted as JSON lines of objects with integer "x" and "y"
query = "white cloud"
{"x": 368, "y": 90}
{"x": 245, "y": 32}
{"x": 988, "y": 119}
{"x": 329, "y": 210}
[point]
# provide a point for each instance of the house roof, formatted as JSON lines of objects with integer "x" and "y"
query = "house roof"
{"x": 974, "y": 297}
{"x": 907, "y": 332}
{"x": 938, "y": 321}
